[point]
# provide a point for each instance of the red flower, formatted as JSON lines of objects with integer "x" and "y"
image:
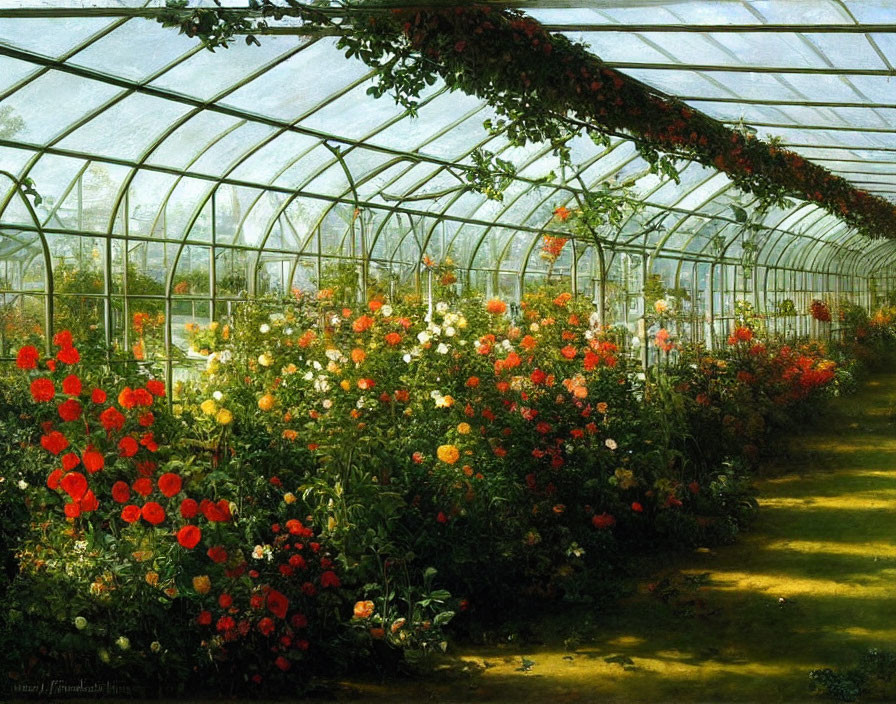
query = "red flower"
{"x": 69, "y": 461}
{"x": 68, "y": 355}
{"x": 278, "y": 604}
{"x": 538, "y": 377}
{"x": 93, "y": 460}
{"x": 121, "y": 492}
{"x": 170, "y": 484}
{"x": 126, "y": 398}
{"x": 189, "y": 508}
{"x": 51, "y": 365}
{"x": 130, "y": 513}
{"x": 148, "y": 441}
{"x": 72, "y": 510}
{"x": 569, "y": 352}
{"x": 189, "y": 536}
{"x": 141, "y": 397}
{"x": 98, "y": 396}
{"x": 604, "y": 520}
{"x": 216, "y": 512}
{"x": 441, "y": 517}
{"x": 146, "y": 469}
{"x": 69, "y": 410}
{"x": 63, "y": 339}
{"x": 54, "y": 442}
{"x": 53, "y": 479}
{"x": 146, "y": 419}
{"x": 204, "y": 618}
{"x": 282, "y": 663}
{"x": 393, "y": 339}
{"x": 42, "y": 390}
{"x": 266, "y": 626}
{"x": 225, "y": 623}
{"x": 71, "y": 385}
{"x": 143, "y": 486}
{"x": 329, "y": 579}
{"x": 127, "y": 446}
{"x": 299, "y": 621}
{"x": 27, "y": 357}
{"x": 74, "y": 484}
{"x": 217, "y": 554}
{"x": 89, "y": 502}
{"x": 112, "y": 419}
{"x": 153, "y": 513}
{"x": 225, "y": 601}
{"x": 637, "y": 508}
{"x": 155, "y": 387}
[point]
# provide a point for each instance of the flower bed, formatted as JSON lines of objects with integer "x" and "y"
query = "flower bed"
{"x": 347, "y": 479}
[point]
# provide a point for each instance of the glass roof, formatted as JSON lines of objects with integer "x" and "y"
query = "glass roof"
{"x": 131, "y": 130}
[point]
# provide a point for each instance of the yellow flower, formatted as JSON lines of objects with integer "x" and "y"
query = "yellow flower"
{"x": 224, "y": 417}
{"x": 202, "y": 584}
{"x": 449, "y": 454}
{"x": 152, "y": 578}
{"x": 266, "y": 402}
{"x": 290, "y": 368}
{"x": 212, "y": 326}
{"x": 289, "y": 497}
{"x": 463, "y": 428}
{"x": 265, "y": 359}
{"x": 345, "y": 385}
{"x": 209, "y": 407}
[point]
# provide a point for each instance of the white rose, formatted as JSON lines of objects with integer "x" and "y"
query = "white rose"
{"x": 23, "y": 484}
{"x": 264, "y": 328}
{"x": 450, "y": 331}
{"x": 217, "y": 396}
{"x": 442, "y": 348}
{"x": 406, "y": 358}
{"x": 423, "y": 337}
{"x": 327, "y": 404}
{"x": 386, "y": 311}
{"x": 610, "y": 443}
{"x": 441, "y": 307}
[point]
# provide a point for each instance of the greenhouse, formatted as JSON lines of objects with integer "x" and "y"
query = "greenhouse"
{"x": 337, "y": 335}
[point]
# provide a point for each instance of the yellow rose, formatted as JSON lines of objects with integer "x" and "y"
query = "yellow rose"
{"x": 289, "y": 497}
{"x": 266, "y": 402}
{"x": 224, "y": 417}
{"x": 345, "y": 384}
{"x": 449, "y": 454}
{"x": 463, "y": 428}
{"x": 209, "y": 407}
{"x": 202, "y": 584}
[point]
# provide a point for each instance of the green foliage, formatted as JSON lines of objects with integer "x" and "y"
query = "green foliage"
{"x": 876, "y": 668}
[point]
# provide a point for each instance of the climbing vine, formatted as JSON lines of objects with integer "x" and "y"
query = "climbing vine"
{"x": 543, "y": 88}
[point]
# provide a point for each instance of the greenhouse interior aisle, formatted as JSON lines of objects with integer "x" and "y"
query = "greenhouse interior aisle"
{"x": 809, "y": 587}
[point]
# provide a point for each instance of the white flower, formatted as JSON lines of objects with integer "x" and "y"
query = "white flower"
{"x": 442, "y": 348}
{"x": 386, "y": 311}
{"x": 317, "y": 365}
{"x": 435, "y": 329}
{"x": 441, "y": 307}
{"x": 123, "y": 642}
{"x": 534, "y": 327}
{"x": 288, "y": 331}
{"x": 423, "y": 337}
{"x": 104, "y": 655}
{"x": 258, "y": 552}
{"x": 450, "y": 331}
{"x": 225, "y": 356}
{"x": 276, "y": 317}
{"x": 636, "y": 342}
{"x": 450, "y": 319}
{"x": 264, "y": 328}
{"x": 265, "y": 360}
{"x": 333, "y": 354}
{"x": 406, "y": 358}
{"x": 610, "y": 443}
{"x": 308, "y": 376}
{"x": 435, "y": 394}
{"x": 640, "y": 376}
{"x": 80, "y": 623}
{"x": 593, "y": 320}
{"x": 217, "y": 396}
{"x": 155, "y": 646}
{"x": 506, "y": 344}
{"x": 334, "y": 320}
{"x": 23, "y": 484}
{"x": 321, "y": 384}
{"x": 327, "y": 404}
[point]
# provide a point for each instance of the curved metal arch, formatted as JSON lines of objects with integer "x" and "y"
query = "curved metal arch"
{"x": 49, "y": 287}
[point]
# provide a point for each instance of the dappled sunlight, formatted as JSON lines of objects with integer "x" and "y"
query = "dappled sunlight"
{"x": 872, "y": 550}
{"x": 786, "y": 585}
{"x": 861, "y": 501}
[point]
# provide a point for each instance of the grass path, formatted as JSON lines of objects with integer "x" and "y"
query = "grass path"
{"x": 812, "y": 585}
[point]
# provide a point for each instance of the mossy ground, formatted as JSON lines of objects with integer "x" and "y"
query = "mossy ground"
{"x": 812, "y": 585}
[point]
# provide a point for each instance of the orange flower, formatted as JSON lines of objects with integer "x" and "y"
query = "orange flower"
{"x": 563, "y": 299}
{"x": 562, "y": 213}
{"x": 362, "y": 323}
{"x": 266, "y": 402}
{"x": 569, "y": 352}
{"x": 358, "y": 355}
{"x": 496, "y": 306}
{"x": 528, "y": 342}
{"x": 290, "y": 434}
{"x": 449, "y": 454}
{"x": 472, "y": 382}
{"x": 393, "y": 339}
{"x": 363, "y": 609}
